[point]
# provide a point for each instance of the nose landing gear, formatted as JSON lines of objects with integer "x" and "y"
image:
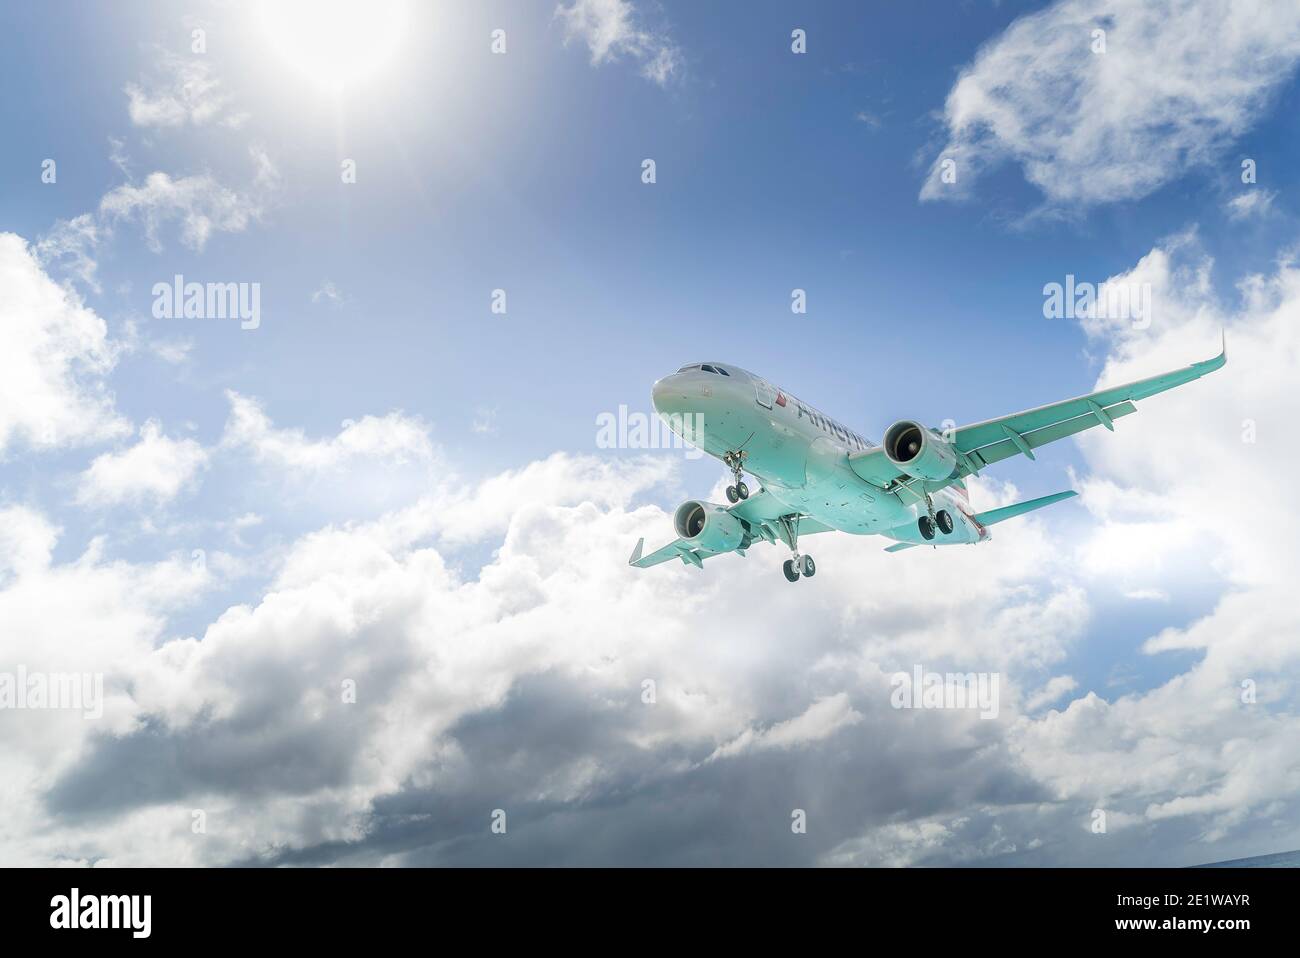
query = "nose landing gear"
{"x": 739, "y": 491}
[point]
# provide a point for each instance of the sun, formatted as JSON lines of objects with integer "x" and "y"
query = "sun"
{"x": 335, "y": 43}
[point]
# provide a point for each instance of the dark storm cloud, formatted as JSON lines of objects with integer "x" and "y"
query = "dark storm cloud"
{"x": 667, "y": 806}
{"x": 155, "y": 765}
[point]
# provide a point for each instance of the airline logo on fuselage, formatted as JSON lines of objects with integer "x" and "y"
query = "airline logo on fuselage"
{"x": 825, "y": 423}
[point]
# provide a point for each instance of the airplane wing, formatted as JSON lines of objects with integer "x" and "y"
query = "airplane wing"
{"x": 760, "y": 514}
{"x": 984, "y": 443}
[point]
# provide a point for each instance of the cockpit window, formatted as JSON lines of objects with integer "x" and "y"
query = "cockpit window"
{"x": 708, "y": 369}
{"x": 686, "y": 369}
{"x": 721, "y": 370}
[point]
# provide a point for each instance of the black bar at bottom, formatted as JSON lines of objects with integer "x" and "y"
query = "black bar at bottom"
{"x": 335, "y": 907}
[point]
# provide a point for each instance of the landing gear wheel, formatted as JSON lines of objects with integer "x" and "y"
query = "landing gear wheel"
{"x": 742, "y": 490}
{"x": 944, "y": 521}
{"x": 733, "y": 495}
{"x": 791, "y": 573}
{"x": 809, "y": 567}
{"x": 926, "y": 525}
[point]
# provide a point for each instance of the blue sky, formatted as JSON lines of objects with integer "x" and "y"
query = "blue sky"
{"x": 522, "y": 171}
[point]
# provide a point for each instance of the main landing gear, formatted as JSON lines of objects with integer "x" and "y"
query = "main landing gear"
{"x": 941, "y": 520}
{"x": 736, "y": 462}
{"x": 796, "y": 565}
{"x": 799, "y": 565}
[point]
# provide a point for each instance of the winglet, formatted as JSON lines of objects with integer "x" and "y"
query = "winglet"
{"x": 1210, "y": 365}
{"x": 636, "y": 553}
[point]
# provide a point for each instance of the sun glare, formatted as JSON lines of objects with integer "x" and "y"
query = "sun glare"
{"x": 335, "y": 43}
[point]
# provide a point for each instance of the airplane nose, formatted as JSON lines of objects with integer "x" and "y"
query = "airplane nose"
{"x": 667, "y": 395}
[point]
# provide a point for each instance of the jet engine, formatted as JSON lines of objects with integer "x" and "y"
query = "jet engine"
{"x": 706, "y": 525}
{"x": 920, "y": 452}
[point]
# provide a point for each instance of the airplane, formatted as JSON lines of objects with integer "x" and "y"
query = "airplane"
{"x": 816, "y": 475}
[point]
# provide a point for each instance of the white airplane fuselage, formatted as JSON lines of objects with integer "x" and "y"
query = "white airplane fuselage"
{"x": 800, "y": 455}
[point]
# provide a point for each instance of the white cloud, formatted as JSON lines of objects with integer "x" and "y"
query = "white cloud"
{"x": 820, "y": 720}
{"x": 392, "y": 438}
{"x": 54, "y": 357}
{"x": 871, "y": 120}
{"x": 71, "y": 245}
{"x": 92, "y": 616}
{"x": 328, "y": 292}
{"x": 612, "y": 29}
{"x": 172, "y": 351}
{"x": 155, "y": 469}
{"x": 184, "y": 90}
{"x": 1250, "y": 204}
{"x": 198, "y": 203}
{"x": 1056, "y": 687}
{"x": 1177, "y": 83}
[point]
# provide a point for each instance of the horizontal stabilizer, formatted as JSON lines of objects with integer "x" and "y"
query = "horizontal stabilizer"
{"x": 994, "y": 516}
{"x": 900, "y": 546}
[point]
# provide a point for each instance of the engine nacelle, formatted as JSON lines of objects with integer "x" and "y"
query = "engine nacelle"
{"x": 706, "y": 525}
{"x": 920, "y": 452}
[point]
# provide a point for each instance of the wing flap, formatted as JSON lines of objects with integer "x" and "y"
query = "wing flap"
{"x": 997, "y": 451}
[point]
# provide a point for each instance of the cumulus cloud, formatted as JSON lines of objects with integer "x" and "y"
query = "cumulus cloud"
{"x": 88, "y": 615}
{"x": 54, "y": 361}
{"x": 183, "y": 90}
{"x": 155, "y": 469}
{"x": 1176, "y": 84}
{"x": 1214, "y": 745}
{"x": 518, "y": 685}
{"x": 612, "y": 29}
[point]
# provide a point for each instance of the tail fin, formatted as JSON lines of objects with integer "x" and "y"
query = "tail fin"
{"x": 994, "y": 516}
